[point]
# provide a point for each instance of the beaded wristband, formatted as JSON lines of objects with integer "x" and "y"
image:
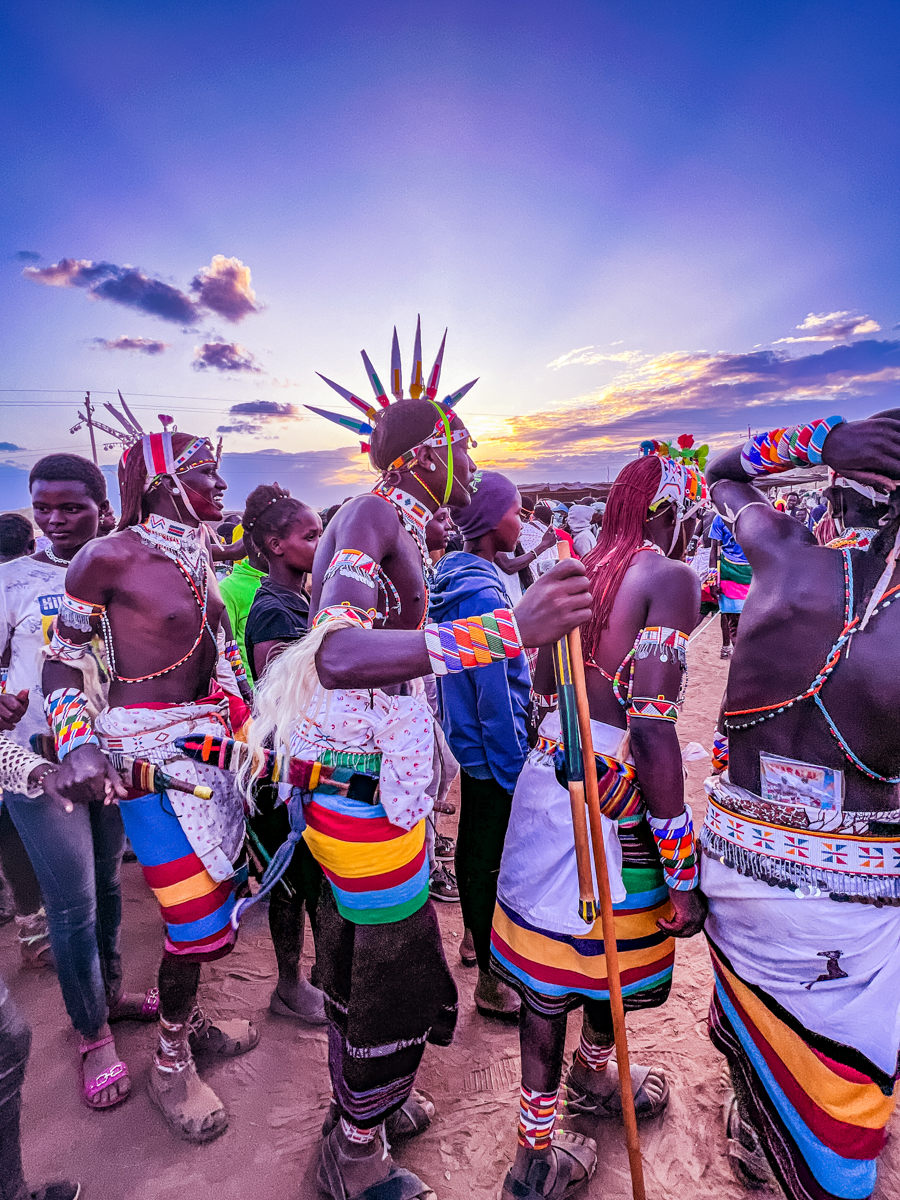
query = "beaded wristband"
{"x": 4, "y": 676}
{"x": 783, "y": 449}
{"x": 67, "y": 715}
{"x": 720, "y": 752}
{"x": 336, "y": 612}
{"x": 473, "y": 641}
{"x": 677, "y": 852}
{"x": 658, "y": 709}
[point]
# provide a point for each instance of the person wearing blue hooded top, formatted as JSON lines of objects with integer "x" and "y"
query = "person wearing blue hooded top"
{"x": 484, "y": 716}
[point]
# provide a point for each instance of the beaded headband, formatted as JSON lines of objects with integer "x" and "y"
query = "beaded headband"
{"x": 160, "y": 460}
{"x": 249, "y": 526}
{"x": 682, "y": 482}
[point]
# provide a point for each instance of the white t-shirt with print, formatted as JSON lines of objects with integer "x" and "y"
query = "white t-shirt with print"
{"x": 30, "y": 597}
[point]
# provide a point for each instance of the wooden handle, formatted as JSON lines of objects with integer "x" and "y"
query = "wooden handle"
{"x": 607, "y": 918}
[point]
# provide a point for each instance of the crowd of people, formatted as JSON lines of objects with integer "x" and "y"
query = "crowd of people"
{"x": 273, "y": 708}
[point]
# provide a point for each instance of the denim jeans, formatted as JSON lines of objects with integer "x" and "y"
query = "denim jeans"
{"x": 15, "y": 1043}
{"x": 77, "y": 858}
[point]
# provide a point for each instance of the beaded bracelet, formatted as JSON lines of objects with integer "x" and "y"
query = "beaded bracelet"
{"x": 720, "y": 752}
{"x": 234, "y": 657}
{"x": 677, "y": 852}
{"x": 783, "y": 449}
{"x": 68, "y": 716}
{"x": 337, "y": 612}
{"x": 656, "y": 709}
{"x": 473, "y": 641}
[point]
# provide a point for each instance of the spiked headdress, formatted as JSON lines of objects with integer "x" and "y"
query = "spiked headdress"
{"x": 419, "y": 387}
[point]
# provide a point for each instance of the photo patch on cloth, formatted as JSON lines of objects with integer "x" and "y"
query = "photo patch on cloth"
{"x": 787, "y": 781}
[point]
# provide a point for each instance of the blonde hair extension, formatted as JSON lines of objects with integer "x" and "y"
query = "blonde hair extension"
{"x": 287, "y": 692}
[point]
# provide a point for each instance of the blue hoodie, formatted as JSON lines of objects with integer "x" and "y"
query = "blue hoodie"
{"x": 483, "y": 711}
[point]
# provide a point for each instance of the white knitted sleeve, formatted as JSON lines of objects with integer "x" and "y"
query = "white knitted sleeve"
{"x": 16, "y": 764}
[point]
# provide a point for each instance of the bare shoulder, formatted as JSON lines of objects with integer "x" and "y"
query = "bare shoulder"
{"x": 672, "y": 591}
{"x": 366, "y": 516}
{"x": 111, "y": 550}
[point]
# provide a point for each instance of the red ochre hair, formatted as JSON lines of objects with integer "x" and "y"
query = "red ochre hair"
{"x": 622, "y": 532}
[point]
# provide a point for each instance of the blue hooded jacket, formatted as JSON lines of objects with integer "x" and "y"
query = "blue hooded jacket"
{"x": 483, "y": 711}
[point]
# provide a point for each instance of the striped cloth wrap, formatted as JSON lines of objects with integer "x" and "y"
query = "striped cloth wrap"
{"x": 378, "y": 871}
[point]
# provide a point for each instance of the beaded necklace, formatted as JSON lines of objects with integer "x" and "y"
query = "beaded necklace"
{"x": 181, "y": 544}
{"x": 857, "y": 537}
{"x": 414, "y": 518}
{"x": 54, "y": 558}
{"x": 851, "y": 626}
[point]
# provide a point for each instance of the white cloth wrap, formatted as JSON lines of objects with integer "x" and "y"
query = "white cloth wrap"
{"x": 538, "y": 873}
{"x": 401, "y": 728}
{"x": 214, "y": 828}
{"x": 775, "y": 939}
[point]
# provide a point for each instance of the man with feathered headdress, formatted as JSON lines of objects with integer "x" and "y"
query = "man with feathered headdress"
{"x": 358, "y": 736}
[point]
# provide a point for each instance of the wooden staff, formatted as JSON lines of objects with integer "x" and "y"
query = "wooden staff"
{"x": 575, "y": 768}
{"x": 607, "y": 919}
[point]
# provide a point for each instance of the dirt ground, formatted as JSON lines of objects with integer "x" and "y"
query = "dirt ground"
{"x": 277, "y": 1094}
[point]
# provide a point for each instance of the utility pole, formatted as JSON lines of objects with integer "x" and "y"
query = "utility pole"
{"x": 89, "y": 421}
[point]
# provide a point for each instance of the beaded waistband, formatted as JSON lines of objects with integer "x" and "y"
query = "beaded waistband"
{"x": 849, "y": 862}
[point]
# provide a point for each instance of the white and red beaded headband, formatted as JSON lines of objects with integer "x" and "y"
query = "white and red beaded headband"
{"x": 160, "y": 460}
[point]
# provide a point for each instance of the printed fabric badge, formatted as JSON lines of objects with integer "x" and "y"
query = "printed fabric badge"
{"x": 787, "y": 781}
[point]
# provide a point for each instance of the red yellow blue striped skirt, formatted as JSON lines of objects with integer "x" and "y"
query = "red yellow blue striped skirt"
{"x": 377, "y": 871}
{"x": 821, "y": 1121}
{"x": 195, "y": 908}
{"x": 554, "y": 972}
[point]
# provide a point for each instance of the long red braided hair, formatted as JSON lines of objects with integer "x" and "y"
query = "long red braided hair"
{"x": 622, "y": 533}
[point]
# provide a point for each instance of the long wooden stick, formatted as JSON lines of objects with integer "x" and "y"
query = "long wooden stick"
{"x": 607, "y": 919}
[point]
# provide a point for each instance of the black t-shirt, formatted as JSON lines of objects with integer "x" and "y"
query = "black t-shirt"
{"x": 276, "y": 614}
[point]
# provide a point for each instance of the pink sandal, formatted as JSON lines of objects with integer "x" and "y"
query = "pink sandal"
{"x": 111, "y": 1075}
{"x": 149, "y": 1009}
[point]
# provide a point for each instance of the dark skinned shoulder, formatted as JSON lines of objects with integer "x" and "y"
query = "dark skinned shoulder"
{"x": 98, "y": 563}
{"x": 370, "y": 513}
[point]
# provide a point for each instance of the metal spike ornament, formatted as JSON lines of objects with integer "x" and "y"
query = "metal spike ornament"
{"x": 396, "y": 368}
{"x": 418, "y": 389}
{"x": 415, "y": 380}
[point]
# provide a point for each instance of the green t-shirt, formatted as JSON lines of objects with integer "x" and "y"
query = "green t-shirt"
{"x": 238, "y": 590}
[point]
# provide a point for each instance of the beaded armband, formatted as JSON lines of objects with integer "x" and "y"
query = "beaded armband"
{"x": 663, "y": 641}
{"x": 544, "y": 701}
{"x": 720, "y": 752}
{"x": 784, "y": 449}
{"x": 677, "y": 852}
{"x": 68, "y": 716}
{"x": 233, "y": 655}
{"x": 356, "y": 564}
{"x": 78, "y": 614}
{"x": 337, "y": 612}
{"x": 656, "y": 709}
{"x": 473, "y": 641}
{"x": 61, "y": 650}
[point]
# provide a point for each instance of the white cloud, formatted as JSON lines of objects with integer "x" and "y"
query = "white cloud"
{"x": 833, "y": 327}
{"x": 586, "y": 356}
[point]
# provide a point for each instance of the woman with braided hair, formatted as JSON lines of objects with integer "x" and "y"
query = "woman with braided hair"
{"x": 285, "y": 532}
{"x": 645, "y": 602}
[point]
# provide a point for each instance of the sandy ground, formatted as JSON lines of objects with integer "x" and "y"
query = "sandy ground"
{"x": 277, "y": 1094}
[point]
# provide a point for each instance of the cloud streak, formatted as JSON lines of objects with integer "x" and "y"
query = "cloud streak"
{"x": 256, "y": 414}
{"x": 222, "y": 288}
{"x": 225, "y": 357}
{"x": 139, "y": 344}
{"x": 710, "y": 395}
{"x": 588, "y": 355}
{"x": 832, "y": 327}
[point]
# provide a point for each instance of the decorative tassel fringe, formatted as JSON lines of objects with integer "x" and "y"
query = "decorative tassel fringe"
{"x": 838, "y": 885}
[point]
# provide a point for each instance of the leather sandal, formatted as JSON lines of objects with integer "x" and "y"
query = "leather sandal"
{"x": 227, "y": 1039}
{"x": 580, "y": 1102}
{"x": 574, "y": 1160}
{"x": 397, "y": 1183}
{"x": 412, "y": 1118}
{"x": 748, "y": 1163}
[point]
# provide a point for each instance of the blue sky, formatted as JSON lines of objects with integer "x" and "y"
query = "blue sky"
{"x": 636, "y": 219}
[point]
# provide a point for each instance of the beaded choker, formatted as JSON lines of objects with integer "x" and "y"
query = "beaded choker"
{"x": 854, "y": 538}
{"x": 413, "y": 514}
{"x": 184, "y": 544}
